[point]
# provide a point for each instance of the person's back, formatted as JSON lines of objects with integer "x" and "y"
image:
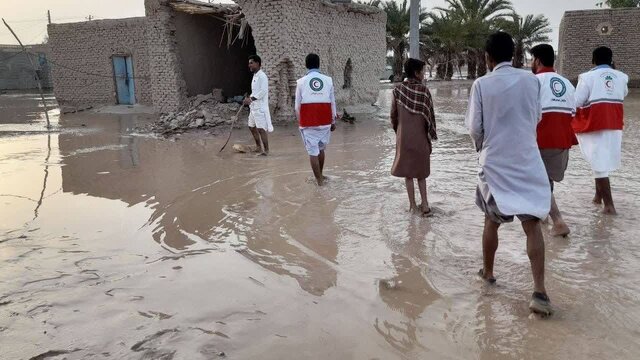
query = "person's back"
{"x": 509, "y": 151}
{"x": 599, "y": 97}
{"x": 509, "y": 95}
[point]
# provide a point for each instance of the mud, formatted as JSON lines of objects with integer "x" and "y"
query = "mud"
{"x": 121, "y": 245}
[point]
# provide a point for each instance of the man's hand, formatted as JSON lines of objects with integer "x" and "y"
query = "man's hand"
{"x": 333, "y": 127}
{"x": 247, "y": 101}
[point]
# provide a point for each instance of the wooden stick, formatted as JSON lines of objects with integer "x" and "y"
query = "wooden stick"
{"x": 232, "y": 125}
{"x": 33, "y": 66}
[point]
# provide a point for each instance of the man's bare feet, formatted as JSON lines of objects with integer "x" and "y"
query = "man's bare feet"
{"x": 609, "y": 210}
{"x": 263, "y": 154}
{"x": 413, "y": 208}
{"x": 597, "y": 200}
{"x": 487, "y": 277}
{"x": 560, "y": 229}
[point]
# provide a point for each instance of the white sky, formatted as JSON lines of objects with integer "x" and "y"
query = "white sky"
{"x": 29, "y": 17}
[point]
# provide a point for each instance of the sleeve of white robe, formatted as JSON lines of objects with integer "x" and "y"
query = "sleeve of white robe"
{"x": 582, "y": 93}
{"x": 473, "y": 118}
{"x": 262, "y": 87}
{"x": 298, "y": 100}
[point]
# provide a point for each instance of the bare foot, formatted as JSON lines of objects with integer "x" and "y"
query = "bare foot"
{"x": 320, "y": 181}
{"x": 609, "y": 210}
{"x": 413, "y": 208}
{"x": 263, "y": 154}
{"x": 597, "y": 200}
{"x": 560, "y": 229}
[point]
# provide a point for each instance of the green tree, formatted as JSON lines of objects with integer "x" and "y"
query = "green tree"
{"x": 526, "y": 32}
{"x": 479, "y": 18}
{"x": 443, "y": 37}
{"x": 620, "y": 3}
{"x": 398, "y": 23}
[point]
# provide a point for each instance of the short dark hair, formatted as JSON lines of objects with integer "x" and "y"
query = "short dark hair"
{"x": 411, "y": 66}
{"x": 602, "y": 56}
{"x": 312, "y": 61}
{"x": 544, "y": 53}
{"x": 256, "y": 58}
{"x": 500, "y": 47}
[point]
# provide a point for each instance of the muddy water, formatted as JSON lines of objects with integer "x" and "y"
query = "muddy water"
{"x": 116, "y": 245}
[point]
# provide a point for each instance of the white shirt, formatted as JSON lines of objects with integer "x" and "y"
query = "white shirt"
{"x": 503, "y": 114}
{"x": 322, "y": 93}
{"x": 260, "y": 92}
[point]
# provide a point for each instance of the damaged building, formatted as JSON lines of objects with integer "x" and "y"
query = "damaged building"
{"x": 183, "y": 48}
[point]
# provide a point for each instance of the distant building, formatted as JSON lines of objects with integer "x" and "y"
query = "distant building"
{"x": 16, "y": 72}
{"x": 583, "y": 31}
{"x": 183, "y": 48}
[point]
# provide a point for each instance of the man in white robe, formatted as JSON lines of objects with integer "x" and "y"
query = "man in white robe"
{"x": 504, "y": 111}
{"x": 600, "y": 120}
{"x": 258, "y": 101}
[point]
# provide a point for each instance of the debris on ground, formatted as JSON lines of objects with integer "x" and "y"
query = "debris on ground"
{"x": 346, "y": 117}
{"x": 202, "y": 112}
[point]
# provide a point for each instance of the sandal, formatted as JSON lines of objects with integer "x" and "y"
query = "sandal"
{"x": 540, "y": 304}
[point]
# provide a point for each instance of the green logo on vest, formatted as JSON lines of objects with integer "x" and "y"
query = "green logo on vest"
{"x": 316, "y": 84}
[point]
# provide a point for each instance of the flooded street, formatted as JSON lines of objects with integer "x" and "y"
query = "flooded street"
{"x": 116, "y": 245}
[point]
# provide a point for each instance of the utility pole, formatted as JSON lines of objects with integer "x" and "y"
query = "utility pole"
{"x": 35, "y": 72}
{"x": 49, "y": 16}
{"x": 414, "y": 34}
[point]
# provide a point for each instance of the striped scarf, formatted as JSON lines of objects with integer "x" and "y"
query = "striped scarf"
{"x": 414, "y": 96}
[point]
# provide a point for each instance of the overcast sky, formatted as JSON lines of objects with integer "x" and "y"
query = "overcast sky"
{"x": 29, "y": 17}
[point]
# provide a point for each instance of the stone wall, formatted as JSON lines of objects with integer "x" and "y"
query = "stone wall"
{"x": 583, "y": 31}
{"x": 16, "y": 71}
{"x": 81, "y": 61}
{"x": 285, "y": 31}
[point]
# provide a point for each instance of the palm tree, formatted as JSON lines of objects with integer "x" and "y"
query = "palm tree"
{"x": 620, "y": 3}
{"x": 398, "y": 23}
{"x": 447, "y": 35}
{"x": 478, "y": 17}
{"x": 526, "y": 32}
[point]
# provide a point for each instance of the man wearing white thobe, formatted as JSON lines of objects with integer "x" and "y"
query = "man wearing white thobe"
{"x": 258, "y": 101}
{"x": 504, "y": 111}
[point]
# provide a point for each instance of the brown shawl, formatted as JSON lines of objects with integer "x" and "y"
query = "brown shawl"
{"x": 414, "y": 96}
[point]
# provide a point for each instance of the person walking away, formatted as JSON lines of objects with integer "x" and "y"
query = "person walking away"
{"x": 316, "y": 112}
{"x": 258, "y": 102}
{"x": 413, "y": 121}
{"x": 503, "y": 114}
{"x": 555, "y": 134}
{"x": 599, "y": 121}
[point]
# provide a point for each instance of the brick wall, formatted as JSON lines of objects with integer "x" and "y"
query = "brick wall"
{"x": 583, "y": 31}
{"x": 16, "y": 71}
{"x": 285, "y": 31}
{"x": 80, "y": 59}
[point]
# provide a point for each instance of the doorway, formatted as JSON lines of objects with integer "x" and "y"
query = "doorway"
{"x": 123, "y": 75}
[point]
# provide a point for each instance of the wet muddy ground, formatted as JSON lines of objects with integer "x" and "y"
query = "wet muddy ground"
{"x": 122, "y": 246}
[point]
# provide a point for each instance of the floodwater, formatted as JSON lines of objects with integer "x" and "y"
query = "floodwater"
{"x": 122, "y": 246}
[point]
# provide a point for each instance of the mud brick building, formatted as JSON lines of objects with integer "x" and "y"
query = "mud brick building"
{"x": 183, "y": 48}
{"x": 583, "y": 31}
{"x": 16, "y": 71}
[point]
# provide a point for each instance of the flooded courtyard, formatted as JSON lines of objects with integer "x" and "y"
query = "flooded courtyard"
{"x": 117, "y": 245}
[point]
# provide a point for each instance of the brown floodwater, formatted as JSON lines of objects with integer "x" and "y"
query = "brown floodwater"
{"x": 125, "y": 246}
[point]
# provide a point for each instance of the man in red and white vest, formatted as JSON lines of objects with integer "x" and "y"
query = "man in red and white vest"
{"x": 555, "y": 134}
{"x": 316, "y": 112}
{"x": 599, "y": 121}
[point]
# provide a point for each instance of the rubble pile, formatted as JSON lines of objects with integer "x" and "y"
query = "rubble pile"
{"x": 203, "y": 111}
